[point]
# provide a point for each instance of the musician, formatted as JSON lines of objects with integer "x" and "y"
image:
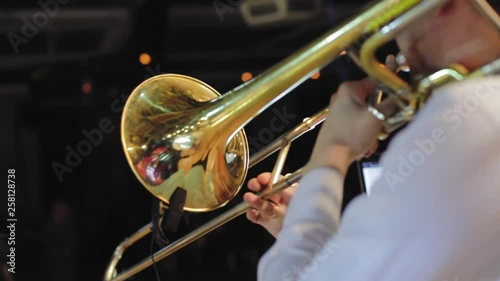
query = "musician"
{"x": 434, "y": 214}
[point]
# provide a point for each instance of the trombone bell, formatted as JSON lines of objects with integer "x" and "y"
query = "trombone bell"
{"x": 170, "y": 142}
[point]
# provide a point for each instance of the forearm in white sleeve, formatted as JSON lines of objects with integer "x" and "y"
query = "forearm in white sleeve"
{"x": 312, "y": 218}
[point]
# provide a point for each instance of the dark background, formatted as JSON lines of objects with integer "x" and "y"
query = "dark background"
{"x": 66, "y": 78}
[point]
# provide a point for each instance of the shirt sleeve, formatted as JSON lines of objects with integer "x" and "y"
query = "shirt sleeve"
{"x": 313, "y": 216}
{"x": 432, "y": 216}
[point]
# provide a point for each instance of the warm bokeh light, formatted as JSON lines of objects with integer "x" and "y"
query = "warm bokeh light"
{"x": 246, "y": 76}
{"x": 86, "y": 87}
{"x": 145, "y": 59}
{"x": 316, "y": 75}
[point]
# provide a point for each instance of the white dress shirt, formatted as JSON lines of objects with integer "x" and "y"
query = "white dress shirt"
{"x": 433, "y": 215}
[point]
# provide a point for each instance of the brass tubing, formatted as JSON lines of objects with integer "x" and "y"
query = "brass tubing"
{"x": 252, "y": 98}
{"x": 205, "y": 229}
{"x": 304, "y": 127}
{"x": 280, "y": 163}
{"x": 127, "y": 242}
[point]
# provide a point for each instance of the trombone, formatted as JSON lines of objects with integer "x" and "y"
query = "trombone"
{"x": 178, "y": 132}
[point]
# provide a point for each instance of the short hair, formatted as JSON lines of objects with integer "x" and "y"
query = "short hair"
{"x": 495, "y": 4}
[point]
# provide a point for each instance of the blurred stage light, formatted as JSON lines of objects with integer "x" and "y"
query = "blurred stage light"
{"x": 246, "y": 76}
{"x": 315, "y": 75}
{"x": 86, "y": 87}
{"x": 145, "y": 59}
